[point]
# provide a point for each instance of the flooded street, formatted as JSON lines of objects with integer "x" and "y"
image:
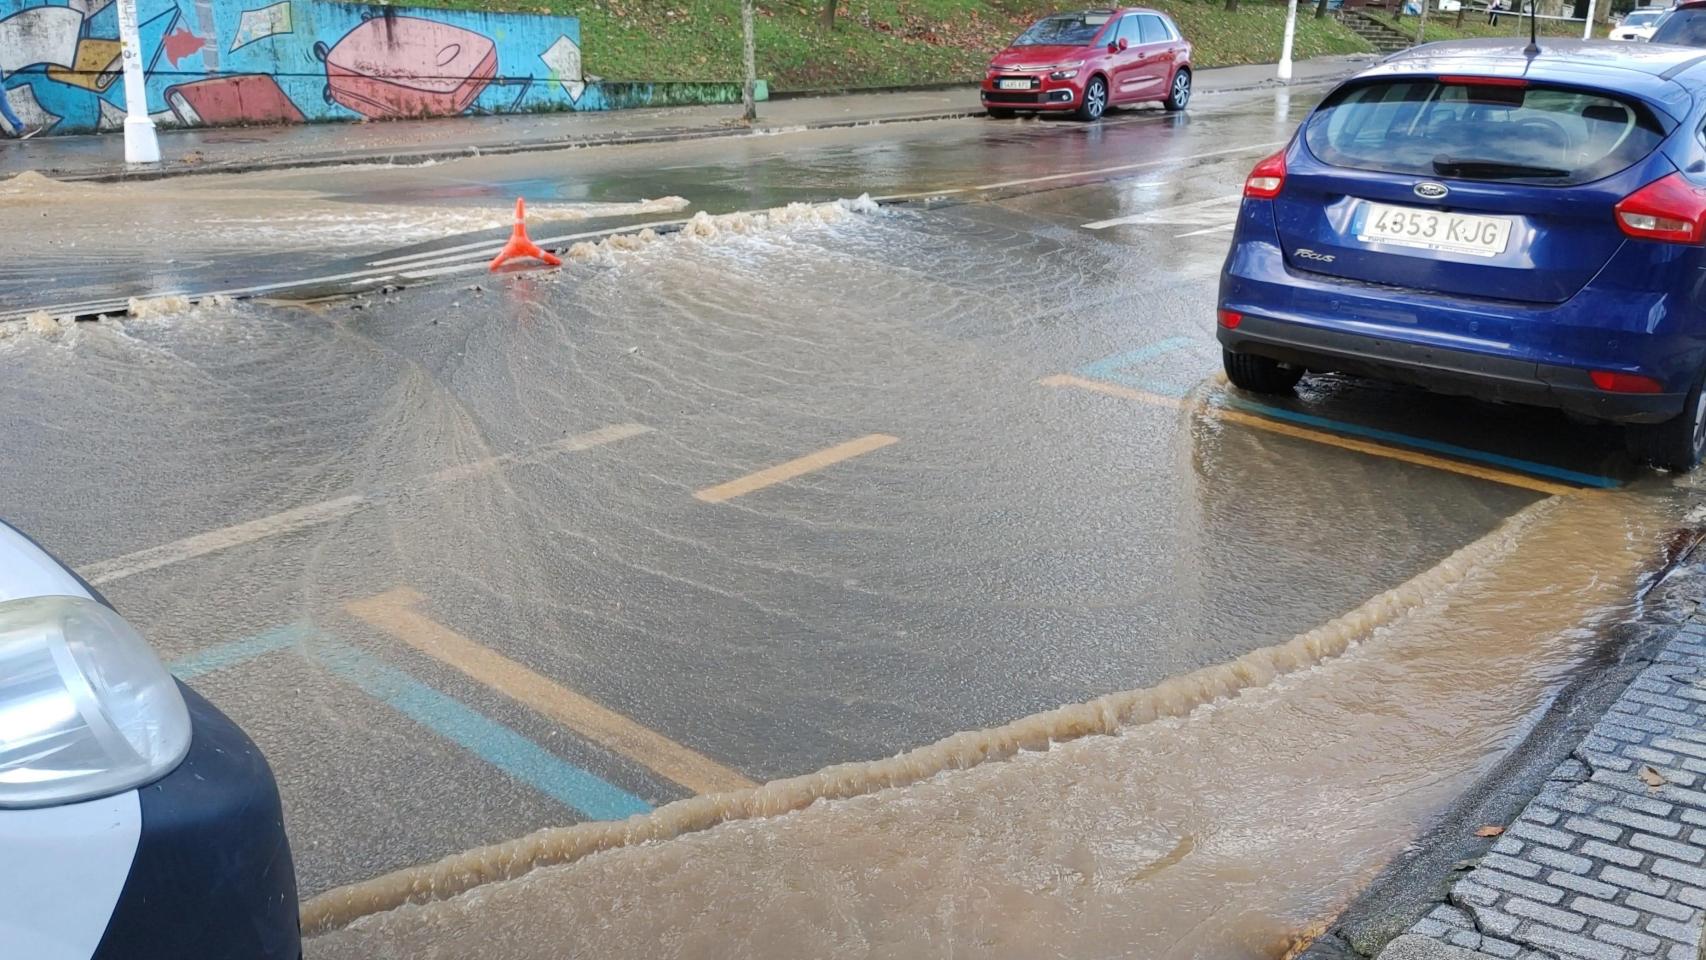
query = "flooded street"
{"x": 719, "y": 593}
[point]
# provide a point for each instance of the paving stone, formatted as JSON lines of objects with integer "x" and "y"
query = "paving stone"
{"x": 1525, "y": 888}
{"x": 1539, "y": 814}
{"x": 1688, "y": 933}
{"x": 1551, "y": 916}
{"x": 1618, "y": 855}
{"x": 1678, "y": 745}
{"x": 1640, "y": 821}
{"x": 1638, "y": 942}
{"x": 1601, "y": 910}
{"x": 1634, "y": 881}
{"x": 1665, "y": 908}
{"x": 1592, "y": 888}
{"x": 1691, "y": 875}
{"x": 1573, "y": 945}
{"x": 1646, "y": 804}
{"x": 1521, "y": 868}
{"x": 1670, "y": 848}
{"x": 1567, "y": 862}
{"x": 1593, "y": 828}
{"x": 1509, "y": 846}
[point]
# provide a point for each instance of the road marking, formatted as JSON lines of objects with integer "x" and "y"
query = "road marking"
{"x": 394, "y": 612}
{"x": 1128, "y": 166}
{"x": 794, "y": 468}
{"x": 1110, "y": 368}
{"x": 1198, "y": 233}
{"x": 226, "y": 655}
{"x": 1198, "y": 212}
{"x": 1284, "y": 428}
{"x": 589, "y": 795}
{"x": 315, "y": 514}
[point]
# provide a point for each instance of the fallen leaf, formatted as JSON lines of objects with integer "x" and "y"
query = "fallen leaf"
{"x": 1489, "y": 831}
{"x": 1652, "y": 778}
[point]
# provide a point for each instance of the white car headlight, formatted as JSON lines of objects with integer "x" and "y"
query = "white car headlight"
{"x": 86, "y": 709}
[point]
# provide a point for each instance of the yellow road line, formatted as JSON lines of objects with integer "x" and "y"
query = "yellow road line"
{"x": 795, "y": 468}
{"x": 1506, "y": 477}
{"x": 394, "y": 612}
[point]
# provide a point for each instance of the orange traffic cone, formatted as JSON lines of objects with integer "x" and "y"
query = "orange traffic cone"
{"x": 519, "y": 247}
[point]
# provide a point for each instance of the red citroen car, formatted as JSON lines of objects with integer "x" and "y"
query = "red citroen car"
{"x": 1089, "y": 61}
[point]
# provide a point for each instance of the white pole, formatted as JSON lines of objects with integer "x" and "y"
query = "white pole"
{"x": 140, "y": 143}
{"x": 1422, "y": 27}
{"x": 1587, "y": 29}
{"x": 1284, "y": 72}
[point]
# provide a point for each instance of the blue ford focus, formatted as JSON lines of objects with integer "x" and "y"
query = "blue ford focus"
{"x": 1483, "y": 220}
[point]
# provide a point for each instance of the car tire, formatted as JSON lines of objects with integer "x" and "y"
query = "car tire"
{"x": 1000, "y": 113}
{"x": 1095, "y": 100}
{"x": 1676, "y": 444}
{"x": 1259, "y": 374}
{"x": 1179, "y": 94}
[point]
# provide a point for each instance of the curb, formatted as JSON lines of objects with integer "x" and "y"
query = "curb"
{"x": 1379, "y": 922}
{"x": 676, "y": 135}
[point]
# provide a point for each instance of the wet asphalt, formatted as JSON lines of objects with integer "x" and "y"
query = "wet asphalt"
{"x": 530, "y": 460}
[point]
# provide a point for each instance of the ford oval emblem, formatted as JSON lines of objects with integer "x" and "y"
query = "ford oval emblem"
{"x": 1429, "y": 190}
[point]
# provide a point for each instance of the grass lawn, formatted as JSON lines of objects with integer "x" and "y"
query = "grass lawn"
{"x": 879, "y": 43}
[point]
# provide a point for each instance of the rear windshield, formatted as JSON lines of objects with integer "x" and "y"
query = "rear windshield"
{"x": 1686, "y": 28}
{"x": 1069, "y": 29}
{"x": 1524, "y": 134}
{"x": 1642, "y": 18}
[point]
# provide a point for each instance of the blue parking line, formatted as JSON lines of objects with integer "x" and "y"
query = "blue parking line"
{"x": 587, "y": 794}
{"x": 238, "y": 651}
{"x": 498, "y": 745}
{"x": 1108, "y": 368}
{"x": 1419, "y": 443}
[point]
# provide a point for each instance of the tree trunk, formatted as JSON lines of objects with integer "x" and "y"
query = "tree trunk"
{"x": 1321, "y": 9}
{"x": 750, "y": 111}
{"x": 1460, "y": 8}
{"x": 1231, "y": 5}
{"x": 828, "y": 18}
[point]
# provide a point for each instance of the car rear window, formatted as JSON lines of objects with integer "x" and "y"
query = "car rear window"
{"x": 1469, "y": 131}
{"x": 1642, "y": 18}
{"x": 1686, "y": 28}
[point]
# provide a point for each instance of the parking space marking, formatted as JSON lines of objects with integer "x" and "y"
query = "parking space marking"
{"x": 1048, "y": 178}
{"x": 394, "y": 612}
{"x": 1210, "y": 211}
{"x": 315, "y": 514}
{"x": 586, "y": 793}
{"x": 795, "y": 468}
{"x": 1284, "y": 428}
{"x": 1205, "y": 230}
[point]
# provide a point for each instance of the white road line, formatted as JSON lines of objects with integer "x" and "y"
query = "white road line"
{"x": 314, "y": 514}
{"x": 1207, "y": 211}
{"x": 1198, "y": 233}
{"x": 1129, "y": 166}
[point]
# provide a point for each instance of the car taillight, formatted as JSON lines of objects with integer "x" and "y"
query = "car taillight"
{"x": 1266, "y": 181}
{"x": 1672, "y": 209}
{"x": 1459, "y": 81}
{"x": 1615, "y": 382}
{"x": 1230, "y": 319}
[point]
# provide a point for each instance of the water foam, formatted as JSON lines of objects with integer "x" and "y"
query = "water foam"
{"x": 1108, "y": 714}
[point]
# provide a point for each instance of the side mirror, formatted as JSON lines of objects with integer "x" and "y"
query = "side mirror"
{"x": 1123, "y": 43}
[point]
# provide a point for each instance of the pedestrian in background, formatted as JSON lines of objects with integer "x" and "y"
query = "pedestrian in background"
{"x": 1493, "y": 12}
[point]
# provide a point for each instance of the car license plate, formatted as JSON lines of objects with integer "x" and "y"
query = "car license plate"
{"x": 1434, "y": 230}
{"x": 1013, "y": 84}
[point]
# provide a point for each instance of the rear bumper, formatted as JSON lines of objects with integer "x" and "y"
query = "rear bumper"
{"x": 1443, "y": 370}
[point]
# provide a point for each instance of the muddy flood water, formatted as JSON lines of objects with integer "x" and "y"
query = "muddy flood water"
{"x": 1259, "y": 799}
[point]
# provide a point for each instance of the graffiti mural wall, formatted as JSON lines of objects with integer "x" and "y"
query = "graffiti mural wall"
{"x": 219, "y": 62}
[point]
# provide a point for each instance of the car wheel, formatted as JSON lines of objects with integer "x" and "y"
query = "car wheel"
{"x": 1180, "y": 94}
{"x": 1095, "y": 100}
{"x": 1259, "y": 374}
{"x": 1000, "y": 113}
{"x": 1678, "y": 443}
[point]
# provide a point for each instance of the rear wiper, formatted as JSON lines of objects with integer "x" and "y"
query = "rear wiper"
{"x": 1492, "y": 169}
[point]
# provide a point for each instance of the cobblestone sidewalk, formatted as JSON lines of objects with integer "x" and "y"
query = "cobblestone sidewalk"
{"x": 1606, "y": 862}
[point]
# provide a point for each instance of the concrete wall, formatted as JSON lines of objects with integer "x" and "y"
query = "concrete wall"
{"x": 219, "y": 62}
